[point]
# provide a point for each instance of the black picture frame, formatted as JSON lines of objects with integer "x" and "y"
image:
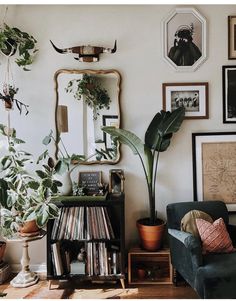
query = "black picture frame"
{"x": 229, "y": 93}
{"x": 213, "y": 157}
{"x": 109, "y": 120}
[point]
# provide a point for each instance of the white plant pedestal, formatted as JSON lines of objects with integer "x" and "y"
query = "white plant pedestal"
{"x": 25, "y": 277}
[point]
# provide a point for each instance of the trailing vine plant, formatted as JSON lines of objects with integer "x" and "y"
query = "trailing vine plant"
{"x": 95, "y": 96}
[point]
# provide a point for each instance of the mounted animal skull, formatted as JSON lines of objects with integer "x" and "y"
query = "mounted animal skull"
{"x": 86, "y": 53}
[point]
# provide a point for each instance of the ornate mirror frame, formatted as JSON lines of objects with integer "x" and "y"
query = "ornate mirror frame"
{"x": 57, "y": 105}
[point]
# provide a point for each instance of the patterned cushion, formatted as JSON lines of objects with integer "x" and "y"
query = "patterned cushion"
{"x": 215, "y": 237}
{"x": 188, "y": 222}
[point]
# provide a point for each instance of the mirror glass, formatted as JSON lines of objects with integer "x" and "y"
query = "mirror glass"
{"x": 86, "y": 100}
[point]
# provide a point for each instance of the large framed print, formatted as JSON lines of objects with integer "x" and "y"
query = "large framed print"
{"x": 214, "y": 167}
{"x": 184, "y": 39}
{"x": 232, "y": 37}
{"x": 229, "y": 94}
{"x": 192, "y": 96}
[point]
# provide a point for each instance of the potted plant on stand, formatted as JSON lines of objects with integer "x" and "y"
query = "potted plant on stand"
{"x": 157, "y": 139}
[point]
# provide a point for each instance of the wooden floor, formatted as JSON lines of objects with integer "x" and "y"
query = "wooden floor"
{"x": 66, "y": 289}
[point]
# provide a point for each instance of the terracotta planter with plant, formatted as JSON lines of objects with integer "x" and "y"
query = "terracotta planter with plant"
{"x": 157, "y": 140}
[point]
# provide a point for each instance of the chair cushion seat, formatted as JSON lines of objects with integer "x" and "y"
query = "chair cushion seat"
{"x": 217, "y": 277}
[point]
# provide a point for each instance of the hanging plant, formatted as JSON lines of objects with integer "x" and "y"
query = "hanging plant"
{"x": 13, "y": 39}
{"x": 93, "y": 94}
{"x": 8, "y": 97}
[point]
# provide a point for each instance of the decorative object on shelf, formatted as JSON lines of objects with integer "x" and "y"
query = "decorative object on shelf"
{"x": 24, "y": 197}
{"x": 184, "y": 39}
{"x": 192, "y": 96}
{"x": 9, "y": 99}
{"x": 116, "y": 181}
{"x": 91, "y": 181}
{"x": 13, "y": 39}
{"x": 214, "y": 167}
{"x": 149, "y": 267}
{"x": 157, "y": 139}
{"x": 80, "y": 117}
{"x": 89, "y": 88}
{"x": 86, "y": 53}
{"x": 229, "y": 94}
{"x": 231, "y": 37}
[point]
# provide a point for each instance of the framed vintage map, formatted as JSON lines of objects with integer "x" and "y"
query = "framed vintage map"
{"x": 214, "y": 167}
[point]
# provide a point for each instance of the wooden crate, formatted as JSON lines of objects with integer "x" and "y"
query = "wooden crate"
{"x": 146, "y": 267}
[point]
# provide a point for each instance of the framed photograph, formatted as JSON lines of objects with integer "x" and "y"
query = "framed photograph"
{"x": 229, "y": 94}
{"x": 90, "y": 180}
{"x": 232, "y": 37}
{"x": 184, "y": 39}
{"x": 192, "y": 96}
{"x": 214, "y": 167}
{"x": 109, "y": 120}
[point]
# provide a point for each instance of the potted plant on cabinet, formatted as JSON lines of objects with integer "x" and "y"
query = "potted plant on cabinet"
{"x": 24, "y": 197}
{"x": 157, "y": 139}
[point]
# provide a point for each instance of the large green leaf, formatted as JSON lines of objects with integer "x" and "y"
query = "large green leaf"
{"x": 126, "y": 137}
{"x": 42, "y": 215}
{"x": 161, "y": 128}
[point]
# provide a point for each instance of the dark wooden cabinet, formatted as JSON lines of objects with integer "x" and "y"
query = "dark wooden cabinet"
{"x": 104, "y": 255}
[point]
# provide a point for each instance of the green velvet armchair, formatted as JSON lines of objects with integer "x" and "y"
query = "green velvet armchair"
{"x": 211, "y": 275}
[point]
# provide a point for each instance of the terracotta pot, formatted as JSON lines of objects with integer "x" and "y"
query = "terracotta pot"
{"x": 29, "y": 228}
{"x": 8, "y": 104}
{"x": 2, "y": 249}
{"x": 151, "y": 237}
{"x": 141, "y": 274}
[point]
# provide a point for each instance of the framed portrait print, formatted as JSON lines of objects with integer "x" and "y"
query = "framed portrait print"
{"x": 214, "y": 167}
{"x": 232, "y": 37}
{"x": 229, "y": 94}
{"x": 192, "y": 96}
{"x": 109, "y": 120}
{"x": 184, "y": 39}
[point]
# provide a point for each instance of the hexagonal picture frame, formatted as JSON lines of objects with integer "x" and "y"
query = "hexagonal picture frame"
{"x": 184, "y": 39}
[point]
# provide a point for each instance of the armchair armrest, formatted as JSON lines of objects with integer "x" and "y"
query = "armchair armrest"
{"x": 191, "y": 243}
{"x": 232, "y": 233}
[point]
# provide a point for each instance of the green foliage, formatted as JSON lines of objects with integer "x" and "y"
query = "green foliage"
{"x": 13, "y": 39}
{"x": 93, "y": 94}
{"x": 157, "y": 139}
{"x": 24, "y": 196}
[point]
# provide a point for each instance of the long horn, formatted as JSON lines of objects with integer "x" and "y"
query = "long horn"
{"x": 66, "y": 50}
{"x": 109, "y": 50}
{"x": 114, "y": 48}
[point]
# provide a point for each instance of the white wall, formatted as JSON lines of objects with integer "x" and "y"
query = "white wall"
{"x": 139, "y": 60}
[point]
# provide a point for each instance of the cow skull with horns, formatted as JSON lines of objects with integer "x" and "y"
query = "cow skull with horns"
{"x": 86, "y": 53}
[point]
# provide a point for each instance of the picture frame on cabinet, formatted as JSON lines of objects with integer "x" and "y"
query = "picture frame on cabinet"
{"x": 214, "y": 169}
{"x": 109, "y": 120}
{"x": 193, "y": 96}
{"x": 184, "y": 39}
{"x": 229, "y": 93}
{"x": 232, "y": 37}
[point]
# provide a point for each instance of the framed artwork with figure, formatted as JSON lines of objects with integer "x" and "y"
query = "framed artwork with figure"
{"x": 214, "y": 167}
{"x": 184, "y": 39}
{"x": 192, "y": 96}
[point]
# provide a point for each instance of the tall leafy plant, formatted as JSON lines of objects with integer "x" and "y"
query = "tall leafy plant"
{"x": 157, "y": 139}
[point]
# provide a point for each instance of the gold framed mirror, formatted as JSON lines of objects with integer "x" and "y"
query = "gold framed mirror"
{"x": 86, "y": 100}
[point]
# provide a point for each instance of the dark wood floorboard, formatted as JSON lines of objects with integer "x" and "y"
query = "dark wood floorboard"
{"x": 65, "y": 289}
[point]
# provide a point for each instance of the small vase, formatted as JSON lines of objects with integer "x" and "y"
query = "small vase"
{"x": 66, "y": 188}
